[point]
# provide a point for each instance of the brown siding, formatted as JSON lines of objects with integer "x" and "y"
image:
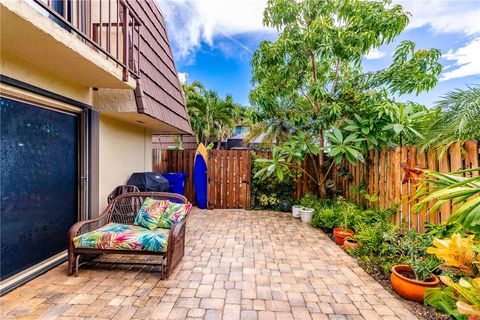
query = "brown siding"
{"x": 162, "y": 142}
{"x": 159, "y": 92}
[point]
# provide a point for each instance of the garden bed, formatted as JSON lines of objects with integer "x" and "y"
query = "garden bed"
{"x": 442, "y": 262}
{"x": 421, "y": 311}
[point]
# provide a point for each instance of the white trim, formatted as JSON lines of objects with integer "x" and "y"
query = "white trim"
{"x": 32, "y": 272}
{"x": 18, "y": 94}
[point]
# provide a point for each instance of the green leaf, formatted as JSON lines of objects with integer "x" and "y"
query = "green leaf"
{"x": 443, "y": 300}
{"x": 398, "y": 128}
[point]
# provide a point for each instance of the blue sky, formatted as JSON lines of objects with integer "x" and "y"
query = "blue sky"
{"x": 214, "y": 40}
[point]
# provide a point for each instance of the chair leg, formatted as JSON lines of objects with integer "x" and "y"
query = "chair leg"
{"x": 77, "y": 262}
{"x": 163, "y": 268}
{"x": 71, "y": 262}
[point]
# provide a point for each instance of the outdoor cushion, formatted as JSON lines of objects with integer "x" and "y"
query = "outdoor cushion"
{"x": 150, "y": 213}
{"x": 174, "y": 213}
{"x": 116, "y": 236}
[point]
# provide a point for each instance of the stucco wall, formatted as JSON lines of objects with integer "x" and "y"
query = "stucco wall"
{"x": 123, "y": 149}
{"x": 25, "y": 71}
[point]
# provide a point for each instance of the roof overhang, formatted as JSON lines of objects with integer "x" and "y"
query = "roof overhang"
{"x": 122, "y": 105}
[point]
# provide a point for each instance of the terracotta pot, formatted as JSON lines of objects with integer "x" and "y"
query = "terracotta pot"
{"x": 407, "y": 288}
{"x": 340, "y": 234}
{"x": 349, "y": 244}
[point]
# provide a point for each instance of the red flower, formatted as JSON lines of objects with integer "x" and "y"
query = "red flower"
{"x": 411, "y": 174}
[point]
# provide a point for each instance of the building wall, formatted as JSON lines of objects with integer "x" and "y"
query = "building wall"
{"x": 123, "y": 149}
{"x": 19, "y": 69}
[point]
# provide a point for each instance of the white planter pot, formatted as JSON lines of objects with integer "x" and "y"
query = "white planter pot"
{"x": 306, "y": 214}
{"x": 296, "y": 211}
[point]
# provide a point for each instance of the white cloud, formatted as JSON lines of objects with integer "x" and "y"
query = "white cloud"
{"x": 192, "y": 22}
{"x": 375, "y": 54}
{"x": 443, "y": 16}
{"x": 467, "y": 61}
{"x": 183, "y": 76}
{"x": 221, "y": 23}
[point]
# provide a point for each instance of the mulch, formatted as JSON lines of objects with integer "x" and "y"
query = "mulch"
{"x": 419, "y": 310}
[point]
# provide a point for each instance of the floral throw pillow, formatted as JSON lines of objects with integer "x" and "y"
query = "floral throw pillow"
{"x": 174, "y": 213}
{"x": 150, "y": 213}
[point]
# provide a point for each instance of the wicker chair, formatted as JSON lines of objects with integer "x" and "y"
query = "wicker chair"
{"x": 123, "y": 209}
{"x": 121, "y": 190}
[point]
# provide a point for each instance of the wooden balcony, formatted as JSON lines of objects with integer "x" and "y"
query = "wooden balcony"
{"x": 108, "y": 26}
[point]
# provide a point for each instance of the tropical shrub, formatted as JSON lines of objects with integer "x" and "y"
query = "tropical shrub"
{"x": 444, "y": 300}
{"x": 461, "y": 298}
{"x": 384, "y": 245}
{"x": 460, "y": 254}
{"x": 269, "y": 193}
{"x": 331, "y": 213}
{"x": 462, "y": 191}
{"x": 367, "y": 217}
{"x": 444, "y": 230}
{"x": 377, "y": 246}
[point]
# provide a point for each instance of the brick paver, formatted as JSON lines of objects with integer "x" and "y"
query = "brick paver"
{"x": 238, "y": 265}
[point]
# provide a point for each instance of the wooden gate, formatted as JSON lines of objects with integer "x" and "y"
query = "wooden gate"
{"x": 228, "y": 175}
{"x": 229, "y": 179}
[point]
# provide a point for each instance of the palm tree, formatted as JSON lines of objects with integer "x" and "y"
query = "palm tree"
{"x": 458, "y": 120}
{"x": 211, "y": 116}
{"x": 275, "y": 125}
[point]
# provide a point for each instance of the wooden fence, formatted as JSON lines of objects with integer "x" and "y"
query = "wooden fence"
{"x": 228, "y": 175}
{"x": 383, "y": 172}
{"x": 381, "y": 175}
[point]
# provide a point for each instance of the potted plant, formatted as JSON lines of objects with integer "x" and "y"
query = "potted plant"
{"x": 343, "y": 232}
{"x": 340, "y": 234}
{"x": 410, "y": 285}
{"x": 296, "y": 210}
{"x": 349, "y": 243}
{"x": 306, "y": 214}
{"x": 414, "y": 274}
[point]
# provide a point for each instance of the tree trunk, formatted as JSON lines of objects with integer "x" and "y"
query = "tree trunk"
{"x": 321, "y": 170}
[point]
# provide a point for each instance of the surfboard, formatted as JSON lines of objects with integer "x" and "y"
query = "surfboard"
{"x": 200, "y": 167}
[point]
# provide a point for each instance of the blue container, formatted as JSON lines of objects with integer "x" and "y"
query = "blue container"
{"x": 176, "y": 182}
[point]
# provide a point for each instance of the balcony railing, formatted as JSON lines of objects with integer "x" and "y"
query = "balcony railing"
{"x": 109, "y": 26}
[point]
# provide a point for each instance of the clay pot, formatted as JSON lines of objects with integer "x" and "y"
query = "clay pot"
{"x": 349, "y": 244}
{"x": 340, "y": 234}
{"x": 407, "y": 288}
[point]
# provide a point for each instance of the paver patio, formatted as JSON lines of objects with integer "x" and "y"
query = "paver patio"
{"x": 238, "y": 265}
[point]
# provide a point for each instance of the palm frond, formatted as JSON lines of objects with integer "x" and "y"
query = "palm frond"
{"x": 459, "y": 120}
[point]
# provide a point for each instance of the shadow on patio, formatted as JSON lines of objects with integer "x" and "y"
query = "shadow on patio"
{"x": 238, "y": 265}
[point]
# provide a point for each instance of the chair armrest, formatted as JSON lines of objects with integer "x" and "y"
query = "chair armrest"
{"x": 176, "y": 246}
{"x": 85, "y": 226}
{"x": 178, "y": 229}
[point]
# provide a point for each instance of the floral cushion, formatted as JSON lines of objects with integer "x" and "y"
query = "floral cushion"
{"x": 174, "y": 213}
{"x": 116, "y": 236}
{"x": 150, "y": 213}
